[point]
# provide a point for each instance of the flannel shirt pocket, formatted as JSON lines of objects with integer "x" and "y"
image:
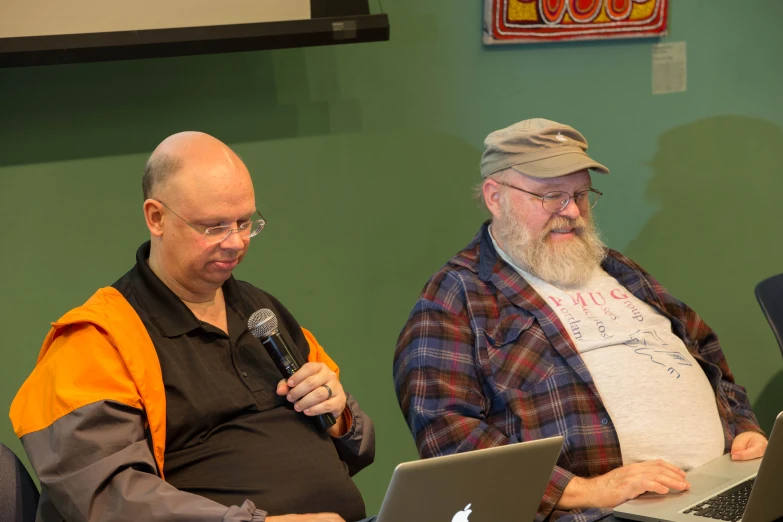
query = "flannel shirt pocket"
{"x": 517, "y": 358}
{"x": 508, "y": 329}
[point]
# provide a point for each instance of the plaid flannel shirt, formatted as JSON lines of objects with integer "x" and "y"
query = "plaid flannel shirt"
{"x": 484, "y": 361}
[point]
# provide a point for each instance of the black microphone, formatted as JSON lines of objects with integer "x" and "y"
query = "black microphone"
{"x": 263, "y": 325}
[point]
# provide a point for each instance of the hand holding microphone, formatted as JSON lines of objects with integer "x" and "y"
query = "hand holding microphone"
{"x": 312, "y": 386}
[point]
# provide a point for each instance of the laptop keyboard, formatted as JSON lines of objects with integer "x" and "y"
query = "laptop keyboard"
{"x": 729, "y": 505}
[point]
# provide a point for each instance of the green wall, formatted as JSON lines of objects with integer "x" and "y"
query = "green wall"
{"x": 363, "y": 157}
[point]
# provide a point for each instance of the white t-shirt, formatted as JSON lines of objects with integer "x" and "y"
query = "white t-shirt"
{"x": 657, "y": 395}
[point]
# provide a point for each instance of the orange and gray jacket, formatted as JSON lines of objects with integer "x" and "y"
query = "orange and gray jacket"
{"x": 92, "y": 419}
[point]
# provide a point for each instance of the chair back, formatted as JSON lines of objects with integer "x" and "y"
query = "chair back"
{"x": 769, "y": 293}
{"x": 18, "y": 493}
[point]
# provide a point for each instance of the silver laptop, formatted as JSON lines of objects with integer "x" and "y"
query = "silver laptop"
{"x": 501, "y": 484}
{"x": 755, "y": 486}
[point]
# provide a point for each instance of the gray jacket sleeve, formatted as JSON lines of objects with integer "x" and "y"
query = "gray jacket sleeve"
{"x": 357, "y": 447}
{"x": 96, "y": 464}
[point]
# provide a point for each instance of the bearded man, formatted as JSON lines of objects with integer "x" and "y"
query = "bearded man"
{"x": 536, "y": 329}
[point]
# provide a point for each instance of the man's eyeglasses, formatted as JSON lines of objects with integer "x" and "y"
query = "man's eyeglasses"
{"x": 558, "y": 200}
{"x": 219, "y": 233}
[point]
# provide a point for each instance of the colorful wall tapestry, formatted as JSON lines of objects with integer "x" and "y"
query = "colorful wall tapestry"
{"x": 516, "y": 21}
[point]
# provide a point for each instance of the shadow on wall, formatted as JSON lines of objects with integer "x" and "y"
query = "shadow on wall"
{"x": 717, "y": 234}
{"x": 65, "y": 112}
{"x": 769, "y": 403}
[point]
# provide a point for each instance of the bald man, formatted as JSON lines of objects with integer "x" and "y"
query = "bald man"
{"x": 153, "y": 402}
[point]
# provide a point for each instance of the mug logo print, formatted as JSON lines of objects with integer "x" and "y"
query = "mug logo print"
{"x": 646, "y": 342}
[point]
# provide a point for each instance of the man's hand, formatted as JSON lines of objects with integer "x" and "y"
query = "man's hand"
{"x": 306, "y": 390}
{"x": 310, "y": 517}
{"x": 621, "y": 484}
{"x": 748, "y": 445}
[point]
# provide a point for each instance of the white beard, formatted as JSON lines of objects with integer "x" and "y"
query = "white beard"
{"x": 563, "y": 264}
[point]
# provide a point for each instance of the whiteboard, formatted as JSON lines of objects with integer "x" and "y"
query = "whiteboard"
{"x": 24, "y": 18}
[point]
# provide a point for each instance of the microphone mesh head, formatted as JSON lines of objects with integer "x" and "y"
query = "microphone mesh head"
{"x": 262, "y": 323}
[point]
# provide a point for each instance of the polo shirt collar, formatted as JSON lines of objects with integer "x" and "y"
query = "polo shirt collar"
{"x": 172, "y": 317}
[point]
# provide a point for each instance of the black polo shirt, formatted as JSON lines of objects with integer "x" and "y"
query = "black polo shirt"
{"x": 229, "y": 437}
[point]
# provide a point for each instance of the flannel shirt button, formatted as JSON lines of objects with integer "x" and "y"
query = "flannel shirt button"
{"x": 604, "y": 421}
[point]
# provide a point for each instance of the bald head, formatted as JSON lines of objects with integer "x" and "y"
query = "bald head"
{"x": 194, "y": 182}
{"x": 188, "y": 155}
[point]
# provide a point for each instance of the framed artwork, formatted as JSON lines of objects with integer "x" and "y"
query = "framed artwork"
{"x": 524, "y": 21}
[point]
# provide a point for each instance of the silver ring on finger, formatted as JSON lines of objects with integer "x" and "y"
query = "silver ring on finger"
{"x": 329, "y": 390}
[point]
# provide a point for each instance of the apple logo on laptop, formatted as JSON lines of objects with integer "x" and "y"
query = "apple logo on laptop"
{"x": 462, "y": 516}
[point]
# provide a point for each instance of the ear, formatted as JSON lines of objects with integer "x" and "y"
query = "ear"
{"x": 153, "y": 217}
{"x": 491, "y": 192}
